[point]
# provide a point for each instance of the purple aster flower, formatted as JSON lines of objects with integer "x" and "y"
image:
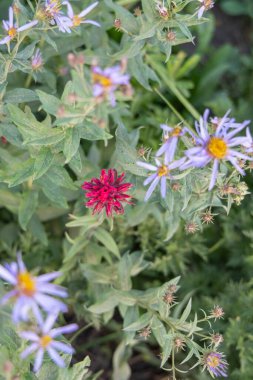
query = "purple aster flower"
{"x": 206, "y": 5}
{"x": 79, "y": 19}
{"x": 37, "y": 61}
{"x": 216, "y": 147}
{"x": 248, "y": 144}
{"x": 44, "y": 340}
{"x": 170, "y": 136}
{"x": 30, "y": 292}
{"x": 54, "y": 12}
{"x": 106, "y": 82}
{"x": 161, "y": 174}
{"x": 215, "y": 363}
{"x": 12, "y": 28}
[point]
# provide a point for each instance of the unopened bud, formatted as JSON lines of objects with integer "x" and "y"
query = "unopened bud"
{"x": 137, "y": 12}
{"x": 61, "y": 111}
{"x": 171, "y": 36}
{"x": 176, "y": 186}
{"x": 117, "y": 24}
{"x": 145, "y": 333}
{"x": 191, "y": 228}
{"x": 75, "y": 59}
{"x": 217, "y": 312}
{"x": 179, "y": 344}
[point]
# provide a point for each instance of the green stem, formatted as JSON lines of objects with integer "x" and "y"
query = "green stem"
{"x": 173, "y": 364}
{"x": 172, "y": 86}
{"x": 181, "y": 118}
{"x": 126, "y": 2}
{"x": 79, "y": 332}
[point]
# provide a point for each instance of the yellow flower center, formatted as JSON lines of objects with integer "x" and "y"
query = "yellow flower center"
{"x": 217, "y": 147}
{"x": 176, "y": 132}
{"x": 45, "y": 341}
{"x": 101, "y": 79}
{"x": 26, "y": 284}
{"x": 213, "y": 361}
{"x": 163, "y": 170}
{"x": 76, "y": 20}
{"x": 208, "y": 4}
{"x": 12, "y": 32}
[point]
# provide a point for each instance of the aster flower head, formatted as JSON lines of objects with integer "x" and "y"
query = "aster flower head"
{"x": 108, "y": 192}
{"x": 215, "y": 363}
{"x": 161, "y": 172}
{"x": 170, "y": 136}
{"x": 12, "y": 28}
{"x": 217, "y": 147}
{"x": 205, "y": 6}
{"x": 53, "y": 10}
{"x": 30, "y": 292}
{"x": 106, "y": 81}
{"x": 79, "y": 19}
{"x": 248, "y": 144}
{"x": 37, "y": 61}
{"x": 44, "y": 340}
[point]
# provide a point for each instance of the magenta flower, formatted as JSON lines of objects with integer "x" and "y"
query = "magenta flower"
{"x": 79, "y": 19}
{"x": 107, "y": 192}
{"x": 54, "y": 12}
{"x": 206, "y": 5}
{"x": 44, "y": 340}
{"x": 12, "y": 28}
{"x": 215, "y": 363}
{"x": 106, "y": 82}
{"x": 216, "y": 147}
{"x": 162, "y": 172}
{"x": 30, "y": 292}
{"x": 37, "y": 61}
{"x": 171, "y": 136}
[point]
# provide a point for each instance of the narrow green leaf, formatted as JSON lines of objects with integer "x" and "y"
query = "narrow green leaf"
{"x": 27, "y": 208}
{"x": 105, "y": 238}
{"x": 43, "y": 162}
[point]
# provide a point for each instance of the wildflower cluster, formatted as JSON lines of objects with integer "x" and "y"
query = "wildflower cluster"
{"x": 214, "y": 143}
{"x": 30, "y": 296}
{"x": 52, "y": 12}
{"x": 57, "y": 132}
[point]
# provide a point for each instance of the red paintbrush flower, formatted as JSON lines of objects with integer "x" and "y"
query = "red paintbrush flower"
{"x": 4, "y": 140}
{"x": 107, "y": 192}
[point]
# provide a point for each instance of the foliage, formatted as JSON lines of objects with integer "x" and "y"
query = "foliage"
{"x": 148, "y": 280}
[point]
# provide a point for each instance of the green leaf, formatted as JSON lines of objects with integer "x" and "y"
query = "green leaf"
{"x": 159, "y": 331}
{"x": 106, "y": 239}
{"x": 27, "y": 208}
{"x": 104, "y": 306}
{"x": 142, "y": 322}
{"x": 43, "y": 162}
{"x": 20, "y": 95}
{"x": 92, "y": 132}
{"x": 186, "y": 312}
{"x": 127, "y": 19}
{"x": 71, "y": 143}
{"x": 37, "y": 229}
{"x": 22, "y": 172}
{"x": 50, "y": 103}
{"x": 149, "y": 9}
{"x": 60, "y": 177}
